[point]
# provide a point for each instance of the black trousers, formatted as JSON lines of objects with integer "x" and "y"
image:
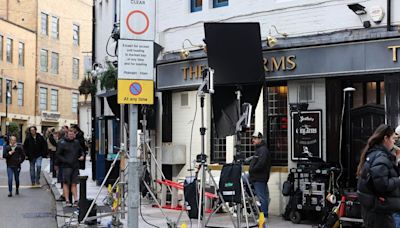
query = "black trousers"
{"x": 375, "y": 220}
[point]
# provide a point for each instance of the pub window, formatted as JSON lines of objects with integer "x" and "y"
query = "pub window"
{"x": 306, "y": 92}
{"x": 184, "y": 99}
{"x": 276, "y": 123}
{"x": 218, "y": 153}
{"x": 382, "y": 93}
{"x": 372, "y": 92}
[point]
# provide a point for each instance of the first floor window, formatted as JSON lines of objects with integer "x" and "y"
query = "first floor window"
{"x": 75, "y": 98}
{"x": 44, "y": 60}
{"x": 43, "y": 98}
{"x": 219, "y": 3}
{"x": 20, "y": 94}
{"x": 196, "y": 5}
{"x": 54, "y": 62}
{"x": 54, "y": 100}
{"x": 21, "y": 54}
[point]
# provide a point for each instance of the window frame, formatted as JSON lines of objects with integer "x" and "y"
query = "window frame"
{"x": 21, "y": 94}
{"x": 217, "y": 4}
{"x": 44, "y": 18}
{"x": 9, "y": 50}
{"x": 21, "y": 54}
{"x": 53, "y": 70}
{"x": 75, "y": 68}
{"x": 46, "y": 69}
{"x": 276, "y": 110}
{"x": 76, "y": 34}
{"x": 55, "y": 33}
{"x": 194, "y": 7}
{"x": 43, "y": 105}
{"x": 73, "y": 108}
{"x": 54, "y": 102}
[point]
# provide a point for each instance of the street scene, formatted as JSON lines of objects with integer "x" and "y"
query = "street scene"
{"x": 222, "y": 113}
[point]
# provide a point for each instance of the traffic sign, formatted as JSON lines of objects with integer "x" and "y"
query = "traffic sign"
{"x": 135, "y": 92}
{"x": 135, "y": 59}
{"x": 138, "y": 19}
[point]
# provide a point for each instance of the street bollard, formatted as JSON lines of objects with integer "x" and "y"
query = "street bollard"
{"x": 84, "y": 203}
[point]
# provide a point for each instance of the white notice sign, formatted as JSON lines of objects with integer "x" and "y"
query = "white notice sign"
{"x": 138, "y": 19}
{"x": 135, "y": 59}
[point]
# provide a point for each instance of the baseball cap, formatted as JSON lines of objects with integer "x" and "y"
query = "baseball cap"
{"x": 257, "y": 134}
{"x": 397, "y": 131}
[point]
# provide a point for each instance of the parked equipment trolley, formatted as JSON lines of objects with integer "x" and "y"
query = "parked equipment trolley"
{"x": 308, "y": 186}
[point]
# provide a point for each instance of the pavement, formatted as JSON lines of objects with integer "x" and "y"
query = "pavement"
{"x": 32, "y": 208}
{"x": 150, "y": 216}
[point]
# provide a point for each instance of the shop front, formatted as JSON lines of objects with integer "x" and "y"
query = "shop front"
{"x": 304, "y": 107}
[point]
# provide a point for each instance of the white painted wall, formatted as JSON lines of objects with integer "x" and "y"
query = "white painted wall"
{"x": 182, "y": 119}
{"x": 175, "y": 22}
{"x": 318, "y": 102}
{"x": 85, "y": 120}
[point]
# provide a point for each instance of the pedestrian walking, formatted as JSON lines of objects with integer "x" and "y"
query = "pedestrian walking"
{"x": 259, "y": 170}
{"x": 35, "y": 148}
{"x": 52, "y": 146}
{"x": 14, "y": 156}
{"x": 79, "y": 135}
{"x": 379, "y": 184}
{"x": 69, "y": 153}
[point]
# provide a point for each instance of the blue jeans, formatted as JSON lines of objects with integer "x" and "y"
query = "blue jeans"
{"x": 35, "y": 168}
{"x": 396, "y": 217}
{"x": 13, "y": 171}
{"x": 262, "y": 192}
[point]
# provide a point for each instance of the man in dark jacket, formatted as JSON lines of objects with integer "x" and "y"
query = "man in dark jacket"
{"x": 35, "y": 148}
{"x": 260, "y": 167}
{"x": 69, "y": 153}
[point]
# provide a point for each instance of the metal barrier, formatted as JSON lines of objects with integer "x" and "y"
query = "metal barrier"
{"x": 174, "y": 188}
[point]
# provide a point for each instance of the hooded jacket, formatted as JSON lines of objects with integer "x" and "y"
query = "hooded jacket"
{"x": 379, "y": 183}
{"x": 260, "y": 165}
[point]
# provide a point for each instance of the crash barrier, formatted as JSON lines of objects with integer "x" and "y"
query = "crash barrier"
{"x": 174, "y": 203}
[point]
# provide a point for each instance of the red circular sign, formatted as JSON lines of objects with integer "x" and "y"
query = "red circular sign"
{"x": 145, "y": 17}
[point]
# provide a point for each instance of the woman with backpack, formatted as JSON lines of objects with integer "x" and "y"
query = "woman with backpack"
{"x": 14, "y": 156}
{"x": 379, "y": 183}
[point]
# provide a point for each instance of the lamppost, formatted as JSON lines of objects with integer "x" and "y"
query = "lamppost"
{"x": 97, "y": 70}
{"x": 8, "y": 100}
{"x": 347, "y": 92}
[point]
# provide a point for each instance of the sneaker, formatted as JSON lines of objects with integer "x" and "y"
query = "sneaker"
{"x": 16, "y": 191}
{"x": 10, "y": 194}
{"x": 76, "y": 203}
{"x": 68, "y": 204}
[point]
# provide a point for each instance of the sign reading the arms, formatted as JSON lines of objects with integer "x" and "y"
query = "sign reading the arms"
{"x": 319, "y": 61}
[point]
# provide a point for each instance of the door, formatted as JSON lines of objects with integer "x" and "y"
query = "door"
{"x": 364, "y": 121}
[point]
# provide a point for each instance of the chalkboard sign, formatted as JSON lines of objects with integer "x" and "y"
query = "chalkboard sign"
{"x": 306, "y": 132}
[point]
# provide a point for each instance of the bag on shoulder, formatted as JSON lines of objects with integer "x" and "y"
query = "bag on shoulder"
{"x": 287, "y": 185}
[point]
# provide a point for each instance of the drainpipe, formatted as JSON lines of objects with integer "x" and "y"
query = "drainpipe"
{"x": 389, "y": 10}
{"x": 8, "y": 9}
{"x": 93, "y": 97}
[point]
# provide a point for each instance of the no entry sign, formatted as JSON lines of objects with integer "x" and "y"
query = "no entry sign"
{"x": 138, "y": 19}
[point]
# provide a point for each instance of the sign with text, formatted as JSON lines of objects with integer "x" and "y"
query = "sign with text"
{"x": 135, "y": 92}
{"x": 135, "y": 59}
{"x": 306, "y": 134}
{"x": 138, "y": 19}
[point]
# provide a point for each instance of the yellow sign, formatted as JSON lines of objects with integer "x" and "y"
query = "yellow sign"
{"x": 135, "y": 92}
